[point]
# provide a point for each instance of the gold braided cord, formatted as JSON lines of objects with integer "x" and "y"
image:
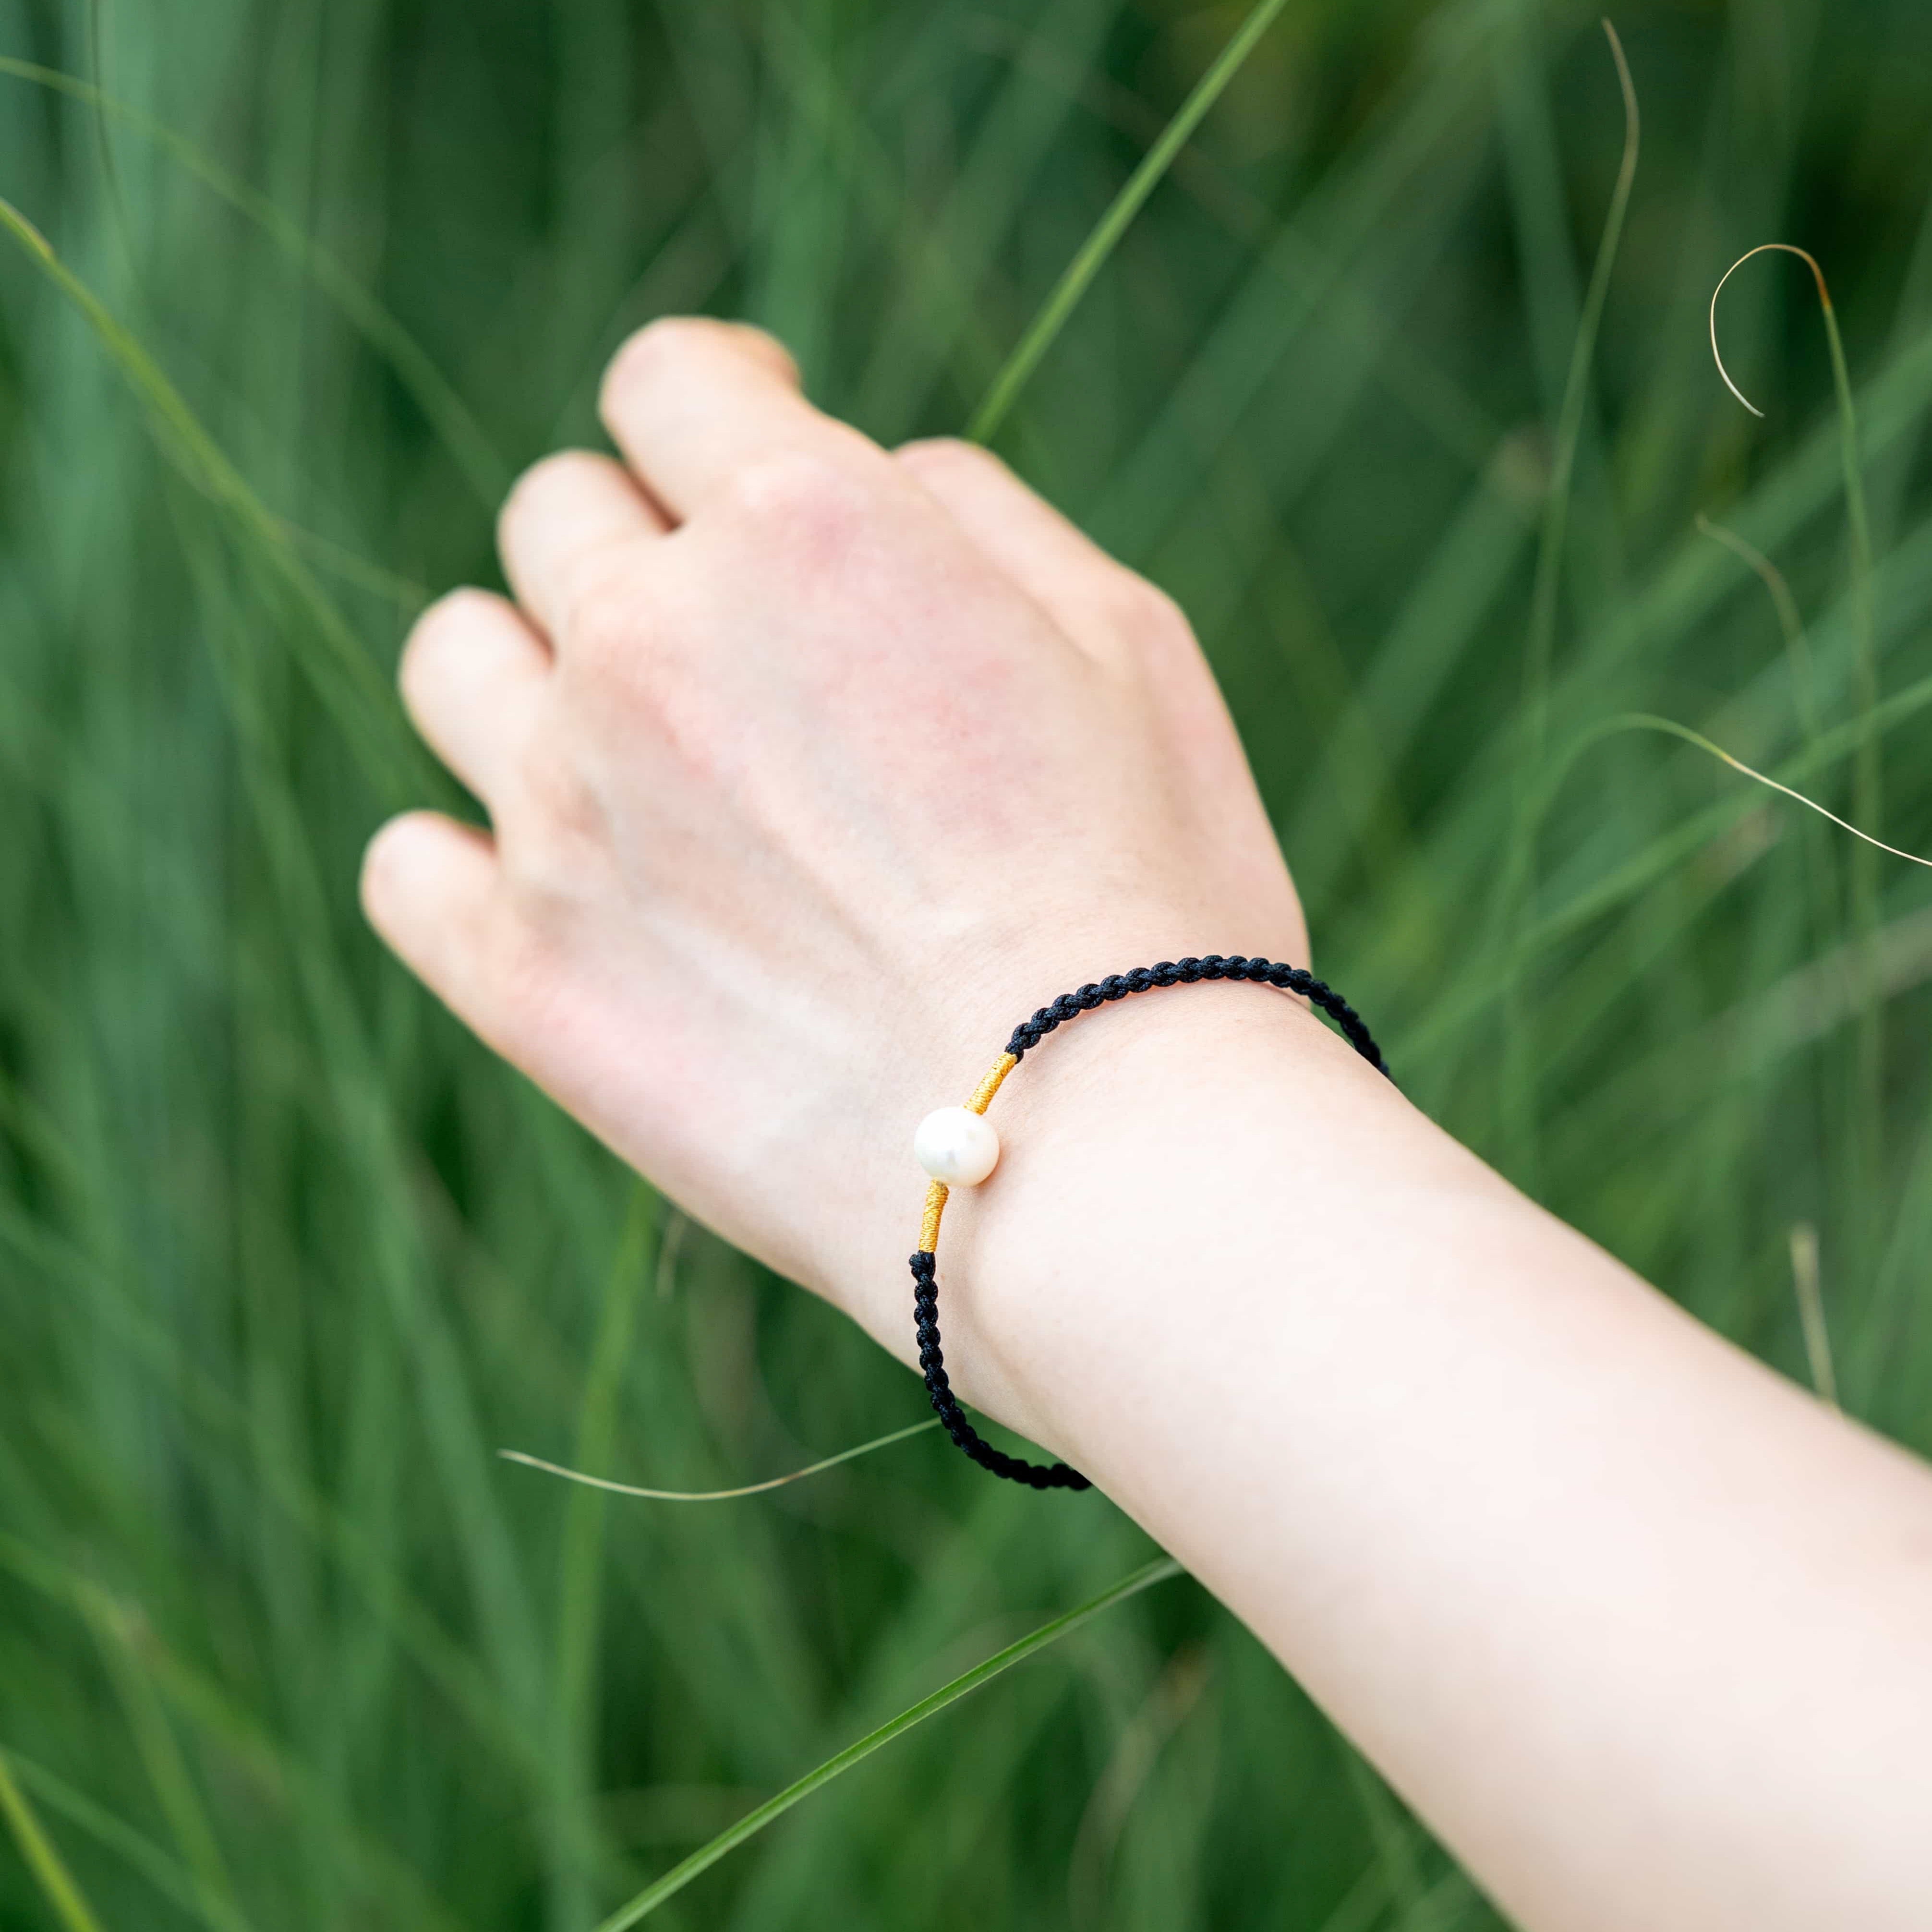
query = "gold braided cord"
{"x": 935, "y": 1194}
{"x": 928, "y": 1226}
{"x": 982, "y": 1094}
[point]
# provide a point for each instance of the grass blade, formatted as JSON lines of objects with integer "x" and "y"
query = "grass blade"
{"x": 716, "y": 1495}
{"x": 1079, "y": 272}
{"x": 1867, "y": 788}
{"x": 1569, "y": 422}
{"x": 345, "y": 676}
{"x": 1642, "y": 722}
{"x": 42, "y": 1860}
{"x": 1804, "y": 1276}
{"x": 483, "y": 469}
{"x": 679, "y": 1876}
{"x": 1518, "y": 1049}
{"x": 1797, "y": 648}
{"x": 140, "y": 1852}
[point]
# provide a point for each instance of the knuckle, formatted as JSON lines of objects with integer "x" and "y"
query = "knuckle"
{"x": 662, "y": 345}
{"x": 564, "y": 811}
{"x": 433, "y": 635}
{"x": 381, "y": 879}
{"x": 561, "y": 467}
{"x": 1145, "y": 616}
{"x": 948, "y": 455}
{"x": 798, "y": 500}
{"x": 553, "y": 841}
{"x": 607, "y": 624}
{"x": 767, "y": 347}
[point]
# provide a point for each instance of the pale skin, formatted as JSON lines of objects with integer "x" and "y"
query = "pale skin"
{"x": 810, "y": 768}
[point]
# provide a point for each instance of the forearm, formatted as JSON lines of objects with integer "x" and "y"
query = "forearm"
{"x": 1636, "y": 1624}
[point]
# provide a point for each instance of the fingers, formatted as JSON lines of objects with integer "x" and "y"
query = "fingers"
{"x": 472, "y": 674}
{"x": 1070, "y": 577}
{"x": 429, "y": 888}
{"x": 570, "y": 521}
{"x": 691, "y": 403}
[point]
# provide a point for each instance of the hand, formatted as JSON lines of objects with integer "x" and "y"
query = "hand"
{"x": 810, "y": 769}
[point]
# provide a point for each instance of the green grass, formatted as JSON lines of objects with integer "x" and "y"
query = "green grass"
{"x": 285, "y": 1258}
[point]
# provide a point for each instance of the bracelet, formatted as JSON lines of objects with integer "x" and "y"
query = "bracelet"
{"x": 957, "y": 1148}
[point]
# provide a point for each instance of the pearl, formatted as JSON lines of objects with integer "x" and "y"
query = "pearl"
{"x": 957, "y": 1146}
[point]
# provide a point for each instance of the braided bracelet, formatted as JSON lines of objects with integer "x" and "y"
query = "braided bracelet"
{"x": 957, "y": 1148}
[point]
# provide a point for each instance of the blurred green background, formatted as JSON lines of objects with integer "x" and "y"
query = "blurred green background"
{"x": 285, "y": 1257}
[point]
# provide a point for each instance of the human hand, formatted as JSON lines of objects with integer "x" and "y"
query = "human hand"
{"x": 810, "y": 769}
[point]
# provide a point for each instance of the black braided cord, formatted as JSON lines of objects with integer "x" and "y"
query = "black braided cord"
{"x": 1027, "y": 1035}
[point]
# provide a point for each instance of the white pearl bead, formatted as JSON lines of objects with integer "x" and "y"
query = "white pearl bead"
{"x": 957, "y": 1146}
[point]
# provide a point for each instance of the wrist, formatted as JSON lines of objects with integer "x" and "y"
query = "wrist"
{"x": 1143, "y": 1148}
